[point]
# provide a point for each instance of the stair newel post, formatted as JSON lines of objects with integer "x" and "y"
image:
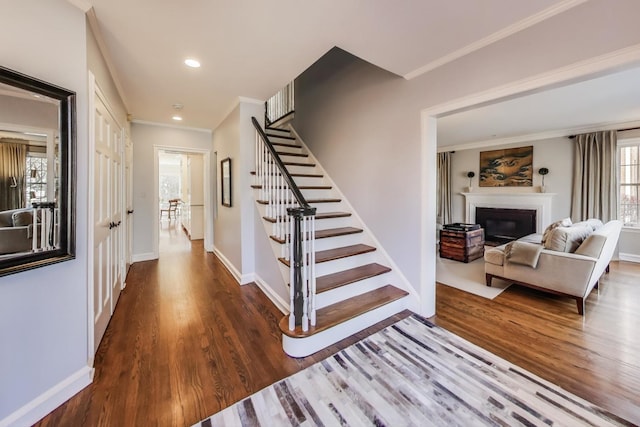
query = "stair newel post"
{"x": 295, "y": 268}
{"x": 312, "y": 270}
{"x": 304, "y": 237}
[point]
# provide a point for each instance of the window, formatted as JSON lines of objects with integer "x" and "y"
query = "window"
{"x": 629, "y": 211}
{"x": 36, "y": 178}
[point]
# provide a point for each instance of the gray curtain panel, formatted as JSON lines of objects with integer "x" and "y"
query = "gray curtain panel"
{"x": 595, "y": 178}
{"x": 13, "y": 162}
{"x": 444, "y": 188}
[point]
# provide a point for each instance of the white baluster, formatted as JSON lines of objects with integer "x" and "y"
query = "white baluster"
{"x": 34, "y": 230}
{"x": 312, "y": 274}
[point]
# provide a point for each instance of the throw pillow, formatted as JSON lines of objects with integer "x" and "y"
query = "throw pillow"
{"x": 21, "y": 218}
{"x": 567, "y": 239}
{"x": 523, "y": 253}
{"x": 566, "y": 222}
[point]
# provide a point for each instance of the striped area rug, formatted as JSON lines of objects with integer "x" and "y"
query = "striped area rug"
{"x": 413, "y": 373}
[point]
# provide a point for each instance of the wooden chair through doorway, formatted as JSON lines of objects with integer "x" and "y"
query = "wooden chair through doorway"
{"x": 173, "y": 207}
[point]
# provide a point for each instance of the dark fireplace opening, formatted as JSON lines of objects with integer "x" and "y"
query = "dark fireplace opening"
{"x": 504, "y": 225}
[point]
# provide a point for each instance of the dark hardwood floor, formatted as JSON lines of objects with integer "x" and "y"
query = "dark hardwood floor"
{"x": 186, "y": 341}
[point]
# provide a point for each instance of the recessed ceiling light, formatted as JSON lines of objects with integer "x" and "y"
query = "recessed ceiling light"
{"x": 177, "y": 118}
{"x": 193, "y": 63}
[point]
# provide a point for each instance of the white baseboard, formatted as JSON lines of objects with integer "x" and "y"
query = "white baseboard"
{"x": 281, "y": 304}
{"x": 143, "y": 257}
{"x": 42, "y": 405}
{"x": 629, "y": 257}
{"x": 247, "y": 278}
{"x": 232, "y": 269}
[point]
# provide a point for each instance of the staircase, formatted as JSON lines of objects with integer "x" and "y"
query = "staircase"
{"x": 344, "y": 283}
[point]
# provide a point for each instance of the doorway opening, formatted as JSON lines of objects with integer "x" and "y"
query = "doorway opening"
{"x": 180, "y": 200}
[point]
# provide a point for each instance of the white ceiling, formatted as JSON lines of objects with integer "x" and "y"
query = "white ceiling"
{"x": 611, "y": 101}
{"x": 252, "y": 48}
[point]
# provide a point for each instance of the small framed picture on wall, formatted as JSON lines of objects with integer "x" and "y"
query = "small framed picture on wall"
{"x": 225, "y": 181}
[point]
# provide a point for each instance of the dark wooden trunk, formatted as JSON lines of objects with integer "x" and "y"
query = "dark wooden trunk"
{"x": 462, "y": 246}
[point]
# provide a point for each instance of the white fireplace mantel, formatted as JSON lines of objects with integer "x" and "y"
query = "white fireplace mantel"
{"x": 541, "y": 202}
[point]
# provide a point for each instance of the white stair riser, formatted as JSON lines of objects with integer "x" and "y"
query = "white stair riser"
{"x": 347, "y": 221}
{"x": 328, "y": 207}
{"x": 285, "y": 157}
{"x": 287, "y": 149}
{"x": 317, "y": 194}
{"x": 348, "y": 291}
{"x": 301, "y": 347}
{"x": 338, "y": 241}
{"x": 303, "y": 180}
{"x": 274, "y": 137}
{"x": 345, "y": 263}
{"x": 301, "y": 169}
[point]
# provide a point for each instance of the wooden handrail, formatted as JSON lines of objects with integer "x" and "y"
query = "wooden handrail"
{"x": 306, "y": 208}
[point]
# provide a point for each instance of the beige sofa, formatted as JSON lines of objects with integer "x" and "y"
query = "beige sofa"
{"x": 15, "y": 231}
{"x": 586, "y": 249}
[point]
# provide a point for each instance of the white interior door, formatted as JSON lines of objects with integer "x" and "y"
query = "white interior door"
{"x": 107, "y": 216}
{"x": 128, "y": 190}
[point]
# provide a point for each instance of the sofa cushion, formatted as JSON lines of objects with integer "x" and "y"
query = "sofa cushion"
{"x": 594, "y": 223}
{"x": 566, "y": 222}
{"x": 494, "y": 256}
{"x": 592, "y": 246}
{"x": 567, "y": 239}
{"x": 22, "y": 218}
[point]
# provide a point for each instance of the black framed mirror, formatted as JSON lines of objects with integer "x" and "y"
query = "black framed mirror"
{"x": 37, "y": 173}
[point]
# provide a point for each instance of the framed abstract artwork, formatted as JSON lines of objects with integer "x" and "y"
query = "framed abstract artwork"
{"x": 510, "y": 167}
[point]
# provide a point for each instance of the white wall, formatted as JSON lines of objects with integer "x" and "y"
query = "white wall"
{"x": 555, "y": 154}
{"x": 145, "y": 137}
{"x": 363, "y": 124}
{"x": 43, "y": 312}
{"x": 234, "y": 226}
{"x": 228, "y": 222}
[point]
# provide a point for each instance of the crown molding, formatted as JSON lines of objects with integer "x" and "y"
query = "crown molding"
{"x": 508, "y": 31}
{"x": 539, "y": 136}
{"x": 92, "y": 19}
{"x": 83, "y": 5}
{"x": 167, "y": 125}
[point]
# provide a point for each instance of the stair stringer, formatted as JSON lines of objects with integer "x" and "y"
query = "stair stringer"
{"x": 396, "y": 275}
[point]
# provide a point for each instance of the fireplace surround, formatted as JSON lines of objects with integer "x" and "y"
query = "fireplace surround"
{"x": 540, "y": 202}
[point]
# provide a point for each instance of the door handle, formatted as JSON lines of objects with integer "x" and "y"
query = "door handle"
{"x": 129, "y": 212}
{"x": 118, "y": 224}
{"x": 112, "y": 225}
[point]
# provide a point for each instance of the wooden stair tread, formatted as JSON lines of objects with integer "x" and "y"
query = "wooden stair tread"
{"x": 342, "y": 311}
{"x": 338, "y": 253}
{"x": 270, "y": 135}
{"x": 324, "y": 215}
{"x": 329, "y": 232}
{"x": 307, "y": 165}
{"x": 281, "y": 153}
{"x": 311, "y": 201}
{"x": 284, "y": 144}
{"x": 301, "y": 187}
{"x": 341, "y": 278}
{"x": 304, "y": 175}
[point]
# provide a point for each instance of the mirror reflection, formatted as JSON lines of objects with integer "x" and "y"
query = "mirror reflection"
{"x": 33, "y": 216}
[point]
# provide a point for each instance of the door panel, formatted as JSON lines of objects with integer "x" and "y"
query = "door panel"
{"x": 107, "y": 214}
